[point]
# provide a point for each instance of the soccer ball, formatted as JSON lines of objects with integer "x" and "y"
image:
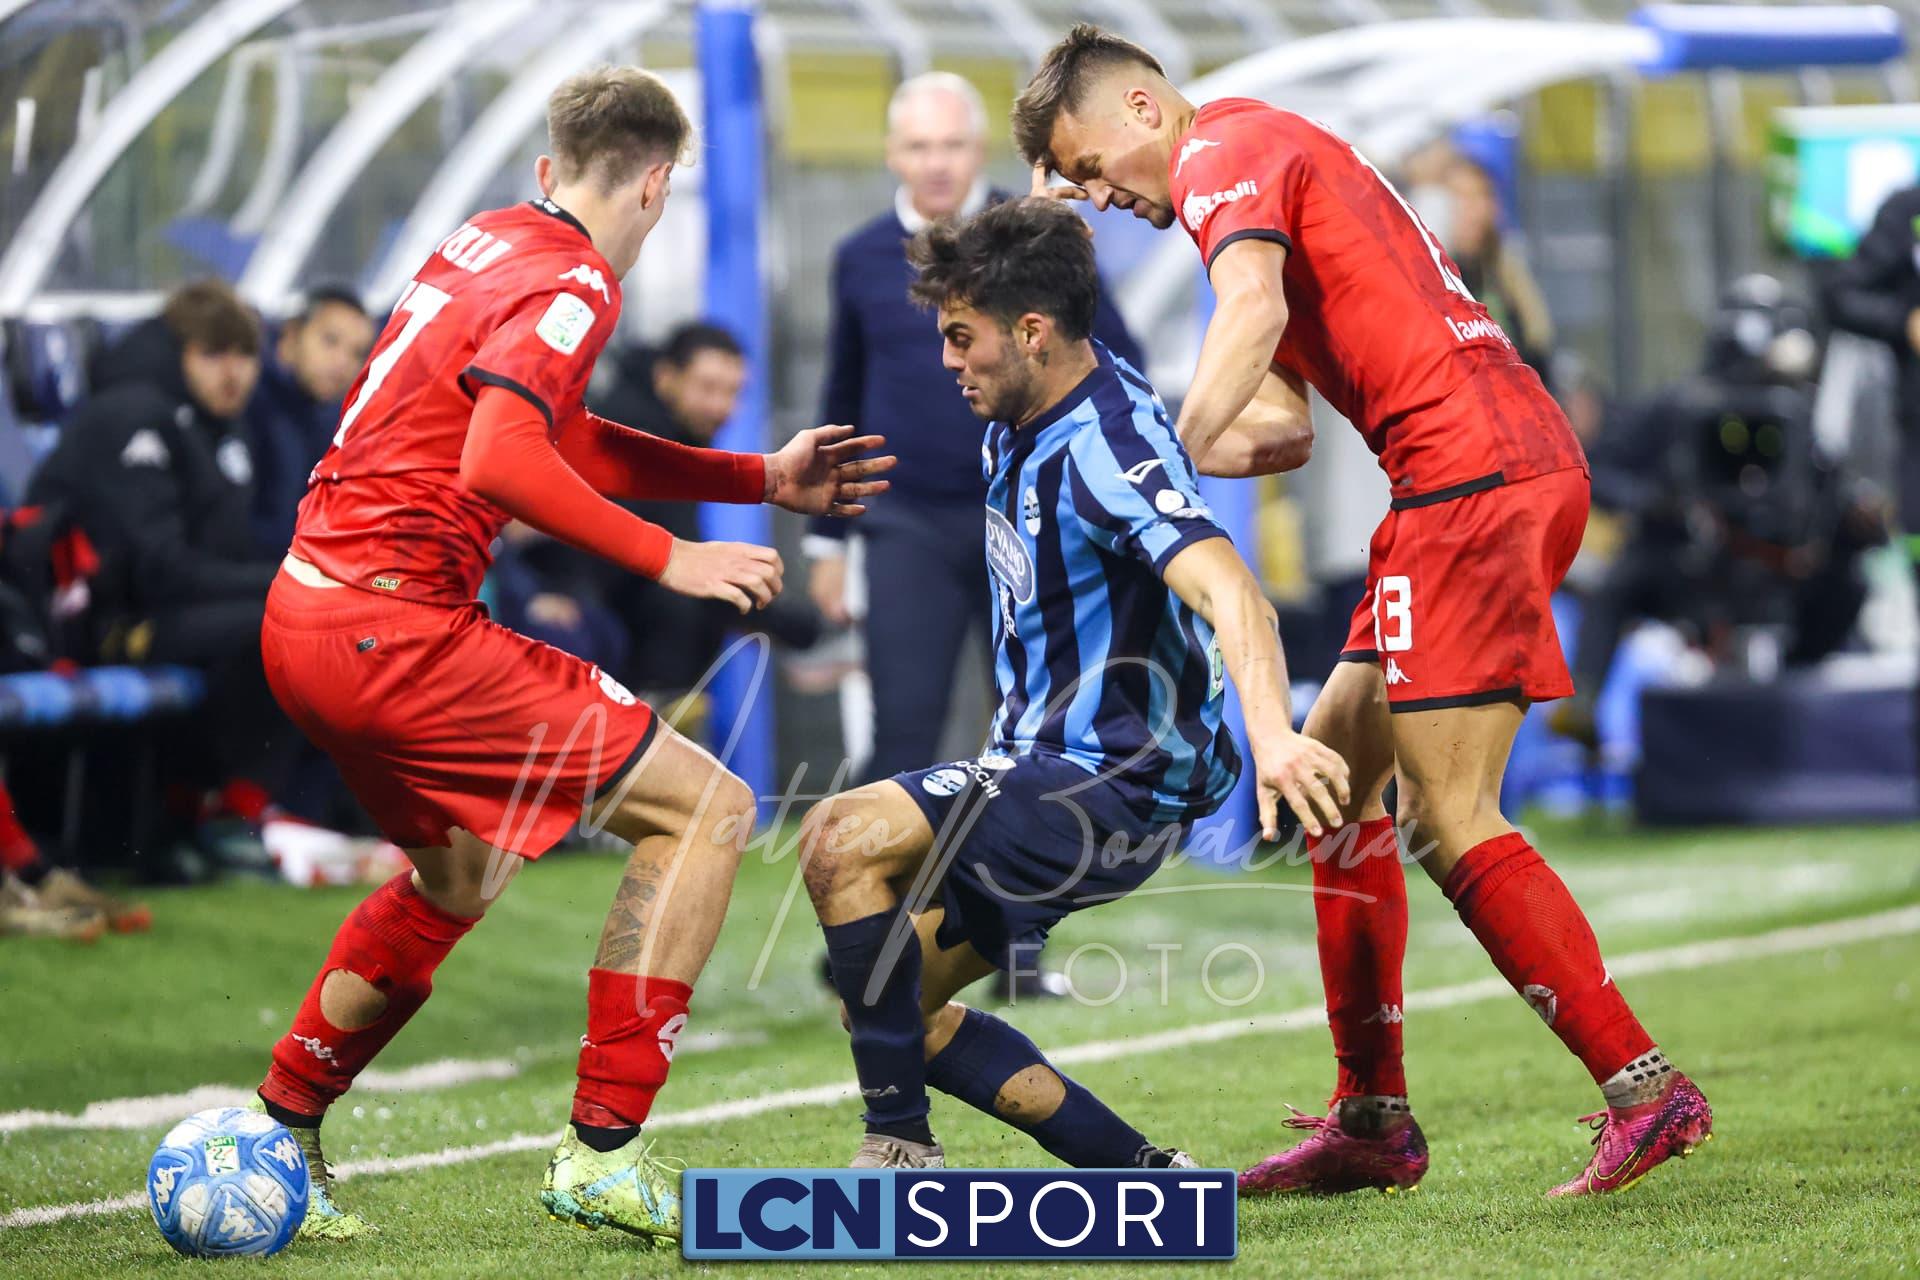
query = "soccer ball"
{"x": 228, "y": 1181}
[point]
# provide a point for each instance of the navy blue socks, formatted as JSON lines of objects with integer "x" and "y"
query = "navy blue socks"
{"x": 889, "y": 1050}
{"x": 985, "y": 1053}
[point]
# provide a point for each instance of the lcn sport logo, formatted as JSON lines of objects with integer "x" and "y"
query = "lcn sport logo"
{"x": 931, "y": 1214}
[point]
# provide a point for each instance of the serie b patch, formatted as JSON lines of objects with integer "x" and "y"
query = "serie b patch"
{"x": 565, "y": 324}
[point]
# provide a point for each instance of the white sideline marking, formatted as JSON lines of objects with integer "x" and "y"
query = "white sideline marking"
{"x": 1693, "y": 955}
{"x": 161, "y": 1109}
{"x": 157, "y": 1111}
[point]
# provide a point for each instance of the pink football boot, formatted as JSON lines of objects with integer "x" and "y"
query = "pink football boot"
{"x": 1631, "y": 1140}
{"x": 1333, "y": 1160}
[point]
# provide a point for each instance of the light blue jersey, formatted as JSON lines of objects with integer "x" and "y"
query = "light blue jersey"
{"x": 1097, "y": 661}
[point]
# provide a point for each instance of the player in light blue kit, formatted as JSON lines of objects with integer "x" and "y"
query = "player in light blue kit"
{"x": 1121, "y": 607}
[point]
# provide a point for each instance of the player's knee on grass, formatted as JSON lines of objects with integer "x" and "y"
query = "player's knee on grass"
{"x": 1032, "y": 1095}
{"x": 830, "y": 850}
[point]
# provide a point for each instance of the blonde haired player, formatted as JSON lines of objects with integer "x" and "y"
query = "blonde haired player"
{"x": 1324, "y": 275}
{"x": 477, "y": 749}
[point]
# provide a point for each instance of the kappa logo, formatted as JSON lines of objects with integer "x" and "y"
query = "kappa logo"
{"x": 1387, "y": 1015}
{"x": 1544, "y": 1001}
{"x": 591, "y": 278}
{"x": 1030, "y": 509}
{"x": 1198, "y": 208}
{"x": 163, "y": 1179}
{"x": 1139, "y": 471}
{"x": 145, "y": 448}
{"x": 1395, "y": 675}
{"x": 314, "y": 1046}
{"x": 286, "y": 1151}
{"x": 1192, "y": 148}
{"x": 237, "y": 1225}
{"x": 670, "y": 1035}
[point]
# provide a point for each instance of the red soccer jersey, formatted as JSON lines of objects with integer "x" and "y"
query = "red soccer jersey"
{"x": 1379, "y": 321}
{"x": 516, "y": 298}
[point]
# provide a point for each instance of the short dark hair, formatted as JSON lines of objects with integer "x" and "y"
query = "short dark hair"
{"x": 606, "y": 124}
{"x": 689, "y": 340}
{"x": 327, "y": 295}
{"x": 1082, "y": 56}
{"x": 1032, "y": 254}
{"x": 208, "y": 314}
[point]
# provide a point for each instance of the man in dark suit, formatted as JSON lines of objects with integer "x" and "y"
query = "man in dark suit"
{"x": 925, "y": 574}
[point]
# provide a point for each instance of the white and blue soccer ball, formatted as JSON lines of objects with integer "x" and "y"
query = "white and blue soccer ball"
{"x": 228, "y": 1181}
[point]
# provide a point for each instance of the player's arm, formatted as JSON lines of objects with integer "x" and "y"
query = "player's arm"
{"x": 637, "y": 466}
{"x": 1250, "y": 314}
{"x": 1273, "y": 434}
{"x": 818, "y": 472}
{"x": 1309, "y": 776}
{"x": 509, "y": 460}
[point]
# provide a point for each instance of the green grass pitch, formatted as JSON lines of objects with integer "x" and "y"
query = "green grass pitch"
{"x": 1806, "y": 1044}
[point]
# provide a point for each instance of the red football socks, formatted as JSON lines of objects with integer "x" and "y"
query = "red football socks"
{"x": 1360, "y": 905}
{"x": 395, "y": 940}
{"x": 18, "y": 853}
{"x": 1541, "y": 943}
{"x": 632, "y": 1026}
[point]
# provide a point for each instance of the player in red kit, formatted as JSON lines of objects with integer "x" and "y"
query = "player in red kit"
{"x": 477, "y": 749}
{"x": 1323, "y": 275}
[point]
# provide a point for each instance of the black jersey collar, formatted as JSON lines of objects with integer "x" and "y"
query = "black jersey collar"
{"x": 553, "y": 210}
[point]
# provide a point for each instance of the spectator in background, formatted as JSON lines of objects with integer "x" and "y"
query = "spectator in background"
{"x": 155, "y": 469}
{"x": 922, "y": 545}
{"x": 1493, "y": 271}
{"x": 684, "y": 392}
{"x": 1877, "y": 293}
{"x": 297, "y": 404}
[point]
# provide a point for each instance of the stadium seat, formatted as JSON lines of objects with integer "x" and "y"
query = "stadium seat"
{"x": 97, "y": 695}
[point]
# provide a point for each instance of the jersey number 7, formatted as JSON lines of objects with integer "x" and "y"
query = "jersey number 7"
{"x": 421, "y": 302}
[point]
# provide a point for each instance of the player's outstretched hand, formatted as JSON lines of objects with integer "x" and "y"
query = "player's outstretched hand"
{"x": 820, "y": 472}
{"x": 1308, "y": 775}
{"x": 744, "y": 575}
{"x": 1044, "y": 188}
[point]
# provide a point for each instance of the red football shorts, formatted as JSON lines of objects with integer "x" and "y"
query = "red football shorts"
{"x": 1458, "y": 609}
{"x": 439, "y": 718}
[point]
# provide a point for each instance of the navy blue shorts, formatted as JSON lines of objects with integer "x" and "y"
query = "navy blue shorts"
{"x": 1020, "y": 842}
